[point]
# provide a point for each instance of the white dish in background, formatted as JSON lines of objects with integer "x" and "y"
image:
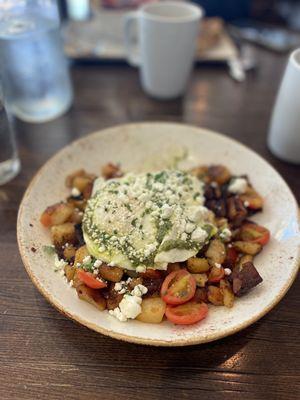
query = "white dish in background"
{"x": 148, "y": 146}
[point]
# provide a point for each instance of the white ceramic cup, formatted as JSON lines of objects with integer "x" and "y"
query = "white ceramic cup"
{"x": 284, "y": 134}
{"x": 167, "y": 36}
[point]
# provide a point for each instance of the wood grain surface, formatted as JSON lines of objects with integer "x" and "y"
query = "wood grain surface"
{"x": 43, "y": 355}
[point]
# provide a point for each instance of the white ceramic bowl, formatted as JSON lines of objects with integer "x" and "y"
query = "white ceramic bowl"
{"x": 152, "y": 146}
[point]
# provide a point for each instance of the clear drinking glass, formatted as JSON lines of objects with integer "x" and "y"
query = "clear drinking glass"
{"x": 32, "y": 63}
{"x": 9, "y": 161}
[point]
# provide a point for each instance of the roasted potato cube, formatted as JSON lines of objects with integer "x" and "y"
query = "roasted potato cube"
{"x": 244, "y": 279}
{"x": 228, "y": 297}
{"x": 81, "y": 173}
{"x": 236, "y": 212}
{"x": 215, "y": 295}
{"x": 56, "y": 214}
{"x": 200, "y": 172}
{"x": 219, "y": 174}
{"x": 76, "y": 216}
{"x": 197, "y": 265}
{"x": 62, "y": 234}
{"x": 247, "y": 247}
{"x": 87, "y": 191}
{"x": 134, "y": 282}
{"x": 80, "y": 203}
{"x": 81, "y": 182}
{"x": 110, "y": 171}
{"x": 244, "y": 259}
{"x": 69, "y": 252}
{"x": 80, "y": 254}
{"x": 153, "y": 310}
{"x": 92, "y": 296}
{"x": 201, "y": 279}
{"x": 216, "y": 252}
{"x": 69, "y": 272}
{"x": 113, "y": 274}
{"x": 252, "y": 199}
{"x": 200, "y": 295}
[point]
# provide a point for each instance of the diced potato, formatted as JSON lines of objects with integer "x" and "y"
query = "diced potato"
{"x": 76, "y": 216}
{"x": 219, "y": 174}
{"x": 197, "y": 265}
{"x": 69, "y": 272}
{"x": 201, "y": 173}
{"x": 236, "y": 211}
{"x": 92, "y": 296}
{"x": 216, "y": 252}
{"x": 62, "y": 234}
{"x": 200, "y": 295}
{"x": 134, "y": 282}
{"x": 81, "y": 182}
{"x": 113, "y": 274}
{"x": 215, "y": 295}
{"x": 252, "y": 199}
{"x": 80, "y": 254}
{"x": 247, "y": 247}
{"x": 87, "y": 191}
{"x": 69, "y": 252}
{"x": 56, "y": 214}
{"x": 81, "y": 173}
{"x": 228, "y": 295}
{"x": 244, "y": 259}
{"x": 110, "y": 171}
{"x": 201, "y": 279}
{"x": 153, "y": 310}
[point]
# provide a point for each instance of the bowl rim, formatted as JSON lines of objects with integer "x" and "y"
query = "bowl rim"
{"x": 129, "y": 338}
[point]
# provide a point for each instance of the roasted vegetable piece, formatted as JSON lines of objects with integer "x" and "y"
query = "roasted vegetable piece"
{"x": 153, "y": 285}
{"x": 173, "y": 267}
{"x": 216, "y": 252}
{"x": 200, "y": 279}
{"x": 90, "y": 280}
{"x": 81, "y": 173}
{"x": 254, "y": 233}
{"x": 69, "y": 252}
{"x": 112, "y": 297}
{"x": 247, "y": 247}
{"x": 219, "y": 174}
{"x": 56, "y": 214}
{"x": 178, "y": 287}
{"x": 244, "y": 259}
{"x": 197, "y": 265}
{"x": 113, "y": 274}
{"x": 134, "y": 282}
{"x": 187, "y": 314}
{"x": 69, "y": 272}
{"x": 215, "y": 295}
{"x": 80, "y": 254}
{"x": 200, "y": 295}
{"x": 244, "y": 279}
{"x": 110, "y": 171}
{"x": 201, "y": 173}
{"x": 231, "y": 257}
{"x": 153, "y": 310}
{"x": 216, "y": 274}
{"x": 79, "y": 203}
{"x": 81, "y": 183}
{"x": 87, "y": 191}
{"x": 217, "y": 206}
{"x": 228, "y": 295}
{"x": 62, "y": 234}
{"x": 236, "y": 212}
{"x": 76, "y": 216}
{"x": 252, "y": 199}
{"x": 92, "y": 296}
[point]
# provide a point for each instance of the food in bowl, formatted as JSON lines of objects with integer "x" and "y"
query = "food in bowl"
{"x": 160, "y": 244}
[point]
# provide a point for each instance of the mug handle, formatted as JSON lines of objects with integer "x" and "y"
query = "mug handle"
{"x": 132, "y": 56}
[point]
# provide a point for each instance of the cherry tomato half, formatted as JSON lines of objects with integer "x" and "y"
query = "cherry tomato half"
{"x": 90, "y": 280}
{"x": 255, "y": 234}
{"x": 178, "y": 287}
{"x": 216, "y": 274}
{"x": 187, "y": 314}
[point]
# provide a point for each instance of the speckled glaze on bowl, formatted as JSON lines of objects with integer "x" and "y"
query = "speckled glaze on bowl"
{"x": 151, "y": 146}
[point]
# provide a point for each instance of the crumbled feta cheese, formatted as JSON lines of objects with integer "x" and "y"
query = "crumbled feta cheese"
{"x": 118, "y": 314}
{"x": 225, "y": 234}
{"x": 238, "y": 185}
{"x": 59, "y": 264}
{"x": 199, "y": 235}
{"x": 75, "y": 192}
{"x": 166, "y": 211}
{"x": 111, "y": 264}
{"x": 246, "y": 203}
{"x": 217, "y": 265}
{"x": 86, "y": 259}
{"x": 227, "y": 271}
{"x": 139, "y": 290}
{"x": 130, "y": 306}
{"x": 183, "y": 236}
{"x": 71, "y": 283}
{"x": 97, "y": 263}
{"x": 213, "y": 184}
{"x": 78, "y": 264}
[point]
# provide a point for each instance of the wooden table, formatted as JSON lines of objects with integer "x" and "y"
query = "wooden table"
{"x": 43, "y": 355}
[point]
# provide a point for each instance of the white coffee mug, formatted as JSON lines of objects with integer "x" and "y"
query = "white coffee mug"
{"x": 167, "y": 36}
{"x": 284, "y": 134}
